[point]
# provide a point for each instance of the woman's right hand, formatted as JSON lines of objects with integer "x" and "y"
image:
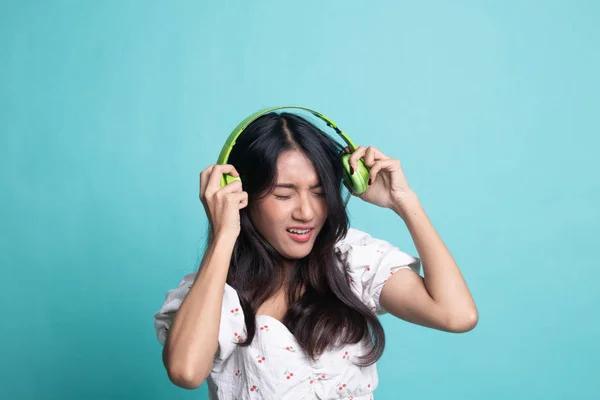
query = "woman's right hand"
{"x": 222, "y": 204}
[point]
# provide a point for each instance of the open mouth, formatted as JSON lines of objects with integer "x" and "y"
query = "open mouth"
{"x": 300, "y": 235}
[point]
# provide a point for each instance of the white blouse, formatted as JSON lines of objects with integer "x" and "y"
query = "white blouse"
{"x": 274, "y": 366}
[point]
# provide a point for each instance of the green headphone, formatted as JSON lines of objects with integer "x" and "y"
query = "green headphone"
{"x": 357, "y": 182}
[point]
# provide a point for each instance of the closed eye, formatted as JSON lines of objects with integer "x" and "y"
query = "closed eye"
{"x": 287, "y": 197}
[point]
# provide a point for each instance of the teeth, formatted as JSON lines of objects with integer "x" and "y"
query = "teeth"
{"x": 301, "y": 232}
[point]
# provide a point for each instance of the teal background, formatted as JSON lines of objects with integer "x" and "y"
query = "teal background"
{"x": 109, "y": 110}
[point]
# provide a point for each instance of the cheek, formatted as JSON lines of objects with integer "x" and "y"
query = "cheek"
{"x": 273, "y": 214}
{"x": 323, "y": 211}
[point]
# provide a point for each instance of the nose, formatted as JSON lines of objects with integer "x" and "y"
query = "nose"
{"x": 305, "y": 209}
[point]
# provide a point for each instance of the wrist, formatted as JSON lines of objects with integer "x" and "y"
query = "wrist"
{"x": 407, "y": 205}
{"x": 224, "y": 239}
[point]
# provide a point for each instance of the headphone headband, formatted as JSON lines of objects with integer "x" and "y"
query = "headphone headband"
{"x": 357, "y": 181}
{"x": 230, "y": 142}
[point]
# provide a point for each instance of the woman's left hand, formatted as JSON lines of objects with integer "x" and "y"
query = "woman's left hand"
{"x": 389, "y": 187}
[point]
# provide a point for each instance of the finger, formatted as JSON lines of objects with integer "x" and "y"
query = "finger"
{"x": 374, "y": 154}
{"x": 346, "y": 150}
{"x": 379, "y": 155}
{"x": 236, "y": 200}
{"x": 204, "y": 179}
{"x": 370, "y": 156}
{"x": 243, "y": 200}
{"x": 378, "y": 166}
{"x": 356, "y": 155}
{"x": 214, "y": 180}
{"x": 232, "y": 187}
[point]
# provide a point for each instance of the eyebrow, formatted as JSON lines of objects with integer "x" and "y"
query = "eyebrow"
{"x": 292, "y": 186}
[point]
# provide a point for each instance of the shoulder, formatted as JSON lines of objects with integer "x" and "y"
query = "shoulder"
{"x": 354, "y": 237}
{"x": 359, "y": 249}
{"x": 175, "y": 296}
{"x": 358, "y": 241}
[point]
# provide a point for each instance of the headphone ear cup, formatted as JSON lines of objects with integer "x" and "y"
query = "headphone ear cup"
{"x": 359, "y": 181}
{"x": 227, "y": 179}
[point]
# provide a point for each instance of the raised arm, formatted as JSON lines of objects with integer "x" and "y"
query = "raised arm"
{"x": 441, "y": 299}
{"x": 192, "y": 340}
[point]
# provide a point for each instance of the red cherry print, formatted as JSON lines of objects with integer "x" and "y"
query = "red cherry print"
{"x": 368, "y": 268}
{"x": 323, "y": 376}
{"x": 369, "y": 386}
{"x": 232, "y": 311}
{"x": 344, "y": 385}
{"x": 288, "y": 377}
{"x": 291, "y": 374}
{"x": 340, "y": 388}
{"x": 267, "y": 326}
{"x": 260, "y": 361}
{"x": 311, "y": 381}
{"x": 237, "y": 309}
{"x": 263, "y": 358}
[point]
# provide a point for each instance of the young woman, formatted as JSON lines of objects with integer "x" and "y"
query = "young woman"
{"x": 285, "y": 302}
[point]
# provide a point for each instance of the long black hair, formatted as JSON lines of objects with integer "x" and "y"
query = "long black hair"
{"x": 323, "y": 310}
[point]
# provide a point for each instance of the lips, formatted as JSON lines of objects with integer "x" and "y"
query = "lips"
{"x": 301, "y": 237}
{"x": 301, "y": 228}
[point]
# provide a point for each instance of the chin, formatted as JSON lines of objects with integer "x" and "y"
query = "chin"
{"x": 297, "y": 255}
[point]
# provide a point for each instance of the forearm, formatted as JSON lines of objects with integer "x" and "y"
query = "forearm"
{"x": 193, "y": 337}
{"x": 442, "y": 277}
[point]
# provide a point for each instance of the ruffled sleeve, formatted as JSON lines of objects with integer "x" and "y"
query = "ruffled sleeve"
{"x": 231, "y": 330}
{"x": 370, "y": 262}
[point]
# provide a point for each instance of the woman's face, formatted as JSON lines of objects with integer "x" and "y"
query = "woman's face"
{"x": 296, "y": 205}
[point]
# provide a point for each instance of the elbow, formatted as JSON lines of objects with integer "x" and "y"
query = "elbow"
{"x": 465, "y": 323}
{"x": 184, "y": 376}
{"x": 186, "y": 379}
